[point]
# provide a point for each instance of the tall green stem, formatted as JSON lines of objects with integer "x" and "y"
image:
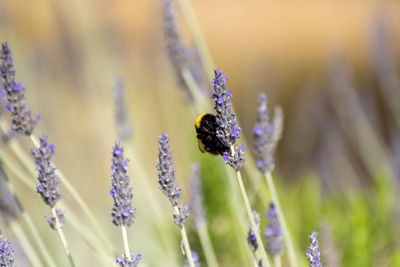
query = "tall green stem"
{"x": 282, "y": 221}
{"x": 126, "y": 243}
{"x": 186, "y": 245}
{"x": 206, "y": 244}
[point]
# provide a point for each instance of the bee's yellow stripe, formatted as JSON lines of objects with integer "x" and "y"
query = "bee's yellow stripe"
{"x": 198, "y": 120}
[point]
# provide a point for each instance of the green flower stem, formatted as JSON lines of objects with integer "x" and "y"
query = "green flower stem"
{"x": 251, "y": 217}
{"x": 25, "y": 243}
{"x": 197, "y": 36}
{"x": 206, "y": 244}
{"x": 79, "y": 200}
{"x": 126, "y": 243}
{"x": 277, "y": 261}
{"x": 282, "y": 221}
{"x": 186, "y": 245}
{"x": 62, "y": 238}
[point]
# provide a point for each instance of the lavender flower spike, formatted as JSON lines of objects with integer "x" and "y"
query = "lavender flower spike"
{"x": 6, "y": 252}
{"x": 273, "y": 233}
{"x": 227, "y": 131}
{"x": 313, "y": 251}
{"x": 251, "y": 237}
{"x": 9, "y": 206}
{"x": 196, "y": 199}
{"x": 264, "y": 142}
{"x": 22, "y": 119}
{"x": 121, "y": 114}
{"x": 122, "y": 213}
{"x": 237, "y": 160}
{"x": 166, "y": 173}
{"x": 48, "y": 181}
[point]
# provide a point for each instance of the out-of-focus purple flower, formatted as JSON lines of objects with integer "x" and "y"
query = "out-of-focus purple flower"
{"x": 166, "y": 173}
{"x": 125, "y": 262}
{"x": 196, "y": 259}
{"x": 264, "y": 143}
{"x": 22, "y": 119}
{"x": 313, "y": 253}
{"x": 227, "y": 131}
{"x": 56, "y": 222}
{"x": 273, "y": 233}
{"x": 6, "y": 252}
{"x": 196, "y": 196}
{"x": 9, "y": 206}
{"x": 237, "y": 160}
{"x": 48, "y": 181}
{"x": 122, "y": 213}
{"x": 251, "y": 237}
{"x": 120, "y": 110}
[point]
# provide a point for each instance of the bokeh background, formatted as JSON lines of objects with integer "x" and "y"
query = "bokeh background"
{"x": 333, "y": 66}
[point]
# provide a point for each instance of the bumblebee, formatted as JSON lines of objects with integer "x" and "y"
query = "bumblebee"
{"x": 206, "y": 129}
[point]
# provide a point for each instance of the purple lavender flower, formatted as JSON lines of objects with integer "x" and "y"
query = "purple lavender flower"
{"x": 227, "y": 131}
{"x": 48, "y": 181}
{"x": 196, "y": 259}
{"x": 181, "y": 215}
{"x": 121, "y": 115}
{"x": 264, "y": 142}
{"x": 56, "y": 222}
{"x": 22, "y": 119}
{"x": 6, "y": 252}
{"x": 125, "y": 262}
{"x": 9, "y": 206}
{"x": 122, "y": 213}
{"x": 273, "y": 233}
{"x": 251, "y": 237}
{"x": 175, "y": 49}
{"x": 196, "y": 200}
{"x": 237, "y": 160}
{"x": 313, "y": 253}
{"x": 166, "y": 173}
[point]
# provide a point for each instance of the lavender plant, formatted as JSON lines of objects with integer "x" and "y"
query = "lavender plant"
{"x": 22, "y": 119}
{"x": 6, "y": 252}
{"x": 49, "y": 190}
{"x": 166, "y": 181}
{"x": 227, "y": 132}
{"x": 313, "y": 253}
{"x": 265, "y": 141}
{"x": 273, "y": 235}
{"x": 120, "y": 110}
{"x": 122, "y": 213}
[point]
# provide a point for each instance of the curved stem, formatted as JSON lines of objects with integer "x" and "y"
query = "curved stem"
{"x": 186, "y": 245}
{"x": 281, "y": 218}
{"x": 62, "y": 238}
{"x": 251, "y": 217}
{"x": 206, "y": 244}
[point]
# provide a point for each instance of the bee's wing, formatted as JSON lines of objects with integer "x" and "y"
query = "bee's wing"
{"x": 201, "y": 146}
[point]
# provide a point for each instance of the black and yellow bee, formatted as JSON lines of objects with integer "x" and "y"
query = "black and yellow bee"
{"x": 206, "y": 129}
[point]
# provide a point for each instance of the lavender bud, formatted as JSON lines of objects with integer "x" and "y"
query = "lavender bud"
{"x": 121, "y": 115}
{"x": 181, "y": 215}
{"x": 54, "y": 222}
{"x": 9, "y": 206}
{"x": 273, "y": 233}
{"x": 6, "y": 252}
{"x": 22, "y": 119}
{"x": 174, "y": 47}
{"x": 264, "y": 142}
{"x": 122, "y": 213}
{"x": 237, "y": 160}
{"x": 125, "y": 262}
{"x": 196, "y": 259}
{"x": 251, "y": 237}
{"x": 313, "y": 251}
{"x": 48, "y": 181}
{"x": 166, "y": 173}
{"x": 196, "y": 200}
{"x": 227, "y": 130}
